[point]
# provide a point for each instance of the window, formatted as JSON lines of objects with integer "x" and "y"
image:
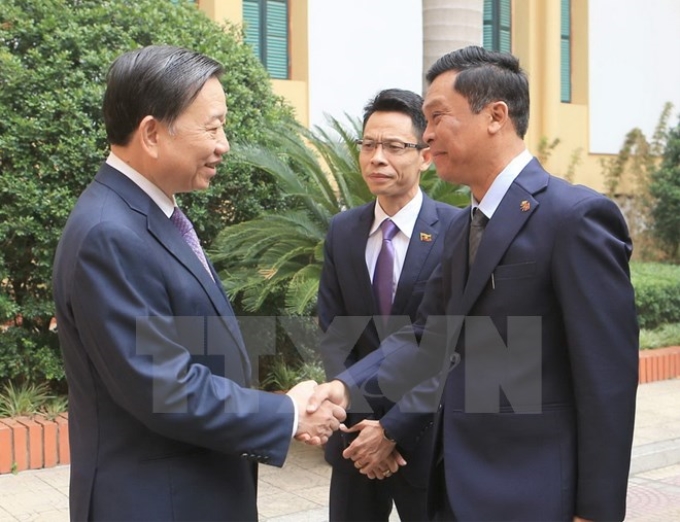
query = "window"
{"x": 266, "y": 29}
{"x": 497, "y": 25}
{"x": 565, "y": 52}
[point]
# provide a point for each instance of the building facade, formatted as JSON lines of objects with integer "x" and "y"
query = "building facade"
{"x": 597, "y": 68}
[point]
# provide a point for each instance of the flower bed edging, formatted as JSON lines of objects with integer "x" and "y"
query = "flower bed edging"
{"x": 659, "y": 364}
{"x": 33, "y": 443}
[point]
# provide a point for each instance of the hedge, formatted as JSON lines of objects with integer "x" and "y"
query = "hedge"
{"x": 657, "y": 293}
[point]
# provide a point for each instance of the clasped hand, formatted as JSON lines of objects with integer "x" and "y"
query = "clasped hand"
{"x": 373, "y": 455}
{"x": 316, "y": 425}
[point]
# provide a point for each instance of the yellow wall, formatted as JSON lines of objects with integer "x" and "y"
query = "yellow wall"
{"x": 536, "y": 41}
{"x": 295, "y": 90}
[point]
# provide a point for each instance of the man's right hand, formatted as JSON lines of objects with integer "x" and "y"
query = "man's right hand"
{"x": 315, "y": 427}
{"x": 334, "y": 391}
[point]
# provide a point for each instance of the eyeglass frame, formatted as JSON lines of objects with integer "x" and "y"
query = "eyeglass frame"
{"x": 417, "y": 146}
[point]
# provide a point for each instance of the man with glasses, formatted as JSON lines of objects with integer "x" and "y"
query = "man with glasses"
{"x": 377, "y": 259}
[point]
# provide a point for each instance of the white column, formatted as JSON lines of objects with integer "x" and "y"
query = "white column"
{"x": 449, "y": 25}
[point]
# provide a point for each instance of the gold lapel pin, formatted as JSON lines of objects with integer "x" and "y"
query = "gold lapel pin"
{"x": 524, "y": 206}
{"x": 425, "y": 237}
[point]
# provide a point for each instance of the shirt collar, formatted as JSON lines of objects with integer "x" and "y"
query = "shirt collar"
{"x": 405, "y": 219}
{"x": 493, "y": 197}
{"x": 159, "y": 197}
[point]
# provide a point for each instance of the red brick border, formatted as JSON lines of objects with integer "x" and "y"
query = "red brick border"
{"x": 659, "y": 364}
{"x": 33, "y": 443}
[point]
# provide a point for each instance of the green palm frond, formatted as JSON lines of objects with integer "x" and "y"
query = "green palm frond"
{"x": 279, "y": 254}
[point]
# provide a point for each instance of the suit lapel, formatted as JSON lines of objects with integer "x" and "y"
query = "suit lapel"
{"x": 356, "y": 239}
{"x": 165, "y": 232}
{"x": 457, "y": 246}
{"x": 420, "y": 246}
{"x": 162, "y": 229}
{"x": 515, "y": 209}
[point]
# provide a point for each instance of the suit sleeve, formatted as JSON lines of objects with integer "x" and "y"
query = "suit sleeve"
{"x": 408, "y": 366}
{"x": 142, "y": 353}
{"x": 592, "y": 282}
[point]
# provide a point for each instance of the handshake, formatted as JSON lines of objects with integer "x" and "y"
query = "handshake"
{"x": 321, "y": 409}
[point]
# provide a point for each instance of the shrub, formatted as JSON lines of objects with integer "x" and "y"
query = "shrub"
{"x": 54, "y": 55}
{"x": 657, "y": 293}
{"x": 664, "y": 188}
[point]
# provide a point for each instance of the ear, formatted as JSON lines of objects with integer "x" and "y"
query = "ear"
{"x": 426, "y": 159}
{"x": 148, "y": 134}
{"x": 499, "y": 116}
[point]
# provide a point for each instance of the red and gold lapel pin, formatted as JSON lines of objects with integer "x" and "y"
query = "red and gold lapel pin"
{"x": 524, "y": 206}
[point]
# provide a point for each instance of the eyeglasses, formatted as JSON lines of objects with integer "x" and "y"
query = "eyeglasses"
{"x": 394, "y": 147}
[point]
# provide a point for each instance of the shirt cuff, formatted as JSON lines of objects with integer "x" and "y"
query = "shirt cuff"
{"x": 295, "y": 418}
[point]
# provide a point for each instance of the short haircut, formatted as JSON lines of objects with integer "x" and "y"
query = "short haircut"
{"x": 159, "y": 81}
{"x": 484, "y": 77}
{"x": 399, "y": 100}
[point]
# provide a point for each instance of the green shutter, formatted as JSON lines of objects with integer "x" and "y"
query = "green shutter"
{"x": 565, "y": 51}
{"x": 497, "y": 30}
{"x": 505, "y": 26}
{"x": 488, "y": 25}
{"x": 251, "y": 21}
{"x": 277, "y": 39}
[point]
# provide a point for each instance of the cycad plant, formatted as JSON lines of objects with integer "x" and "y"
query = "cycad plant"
{"x": 281, "y": 251}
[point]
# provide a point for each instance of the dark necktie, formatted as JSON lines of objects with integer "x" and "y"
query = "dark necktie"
{"x": 479, "y": 221}
{"x": 383, "y": 276}
{"x": 186, "y": 229}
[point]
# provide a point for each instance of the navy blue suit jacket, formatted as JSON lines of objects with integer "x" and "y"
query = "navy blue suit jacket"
{"x": 162, "y": 425}
{"x": 553, "y": 253}
{"x": 345, "y": 291}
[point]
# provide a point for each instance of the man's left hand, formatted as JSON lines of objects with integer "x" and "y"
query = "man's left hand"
{"x": 373, "y": 455}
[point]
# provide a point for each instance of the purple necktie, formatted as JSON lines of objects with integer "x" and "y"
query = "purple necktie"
{"x": 186, "y": 229}
{"x": 383, "y": 276}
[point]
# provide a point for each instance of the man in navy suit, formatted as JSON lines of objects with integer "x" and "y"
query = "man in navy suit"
{"x": 162, "y": 424}
{"x": 392, "y": 157}
{"x": 537, "y": 332}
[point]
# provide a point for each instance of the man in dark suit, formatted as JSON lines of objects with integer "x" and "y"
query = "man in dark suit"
{"x": 162, "y": 424}
{"x": 392, "y": 157}
{"x": 536, "y": 419}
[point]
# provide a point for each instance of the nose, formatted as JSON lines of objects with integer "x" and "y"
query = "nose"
{"x": 428, "y": 134}
{"x": 222, "y": 146}
{"x": 378, "y": 155}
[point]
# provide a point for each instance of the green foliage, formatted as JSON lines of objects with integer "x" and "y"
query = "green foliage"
{"x": 660, "y": 337}
{"x": 637, "y": 160}
{"x": 54, "y": 55}
{"x": 283, "y": 375}
{"x": 657, "y": 293}
{"x": 24, "y": 400}
{"x": 545, "y": 149}
{"x": 664, "y": 189}
{"x": 280, "y": 253}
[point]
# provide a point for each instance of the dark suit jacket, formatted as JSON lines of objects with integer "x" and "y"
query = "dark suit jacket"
{"x": 557, "y": 254}
{"x": 161, "y": 423}
{"x": 345, "y": 291}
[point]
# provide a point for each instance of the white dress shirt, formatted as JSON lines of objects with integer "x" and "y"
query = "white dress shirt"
{"x": 405, "y": 220}
{"x": 159, "y": 197}
{"x": 493, "y": 197}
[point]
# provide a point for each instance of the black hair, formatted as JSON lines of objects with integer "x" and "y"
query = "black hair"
{"x": 158, "y": 80}
{"x": 486, "y": 76}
